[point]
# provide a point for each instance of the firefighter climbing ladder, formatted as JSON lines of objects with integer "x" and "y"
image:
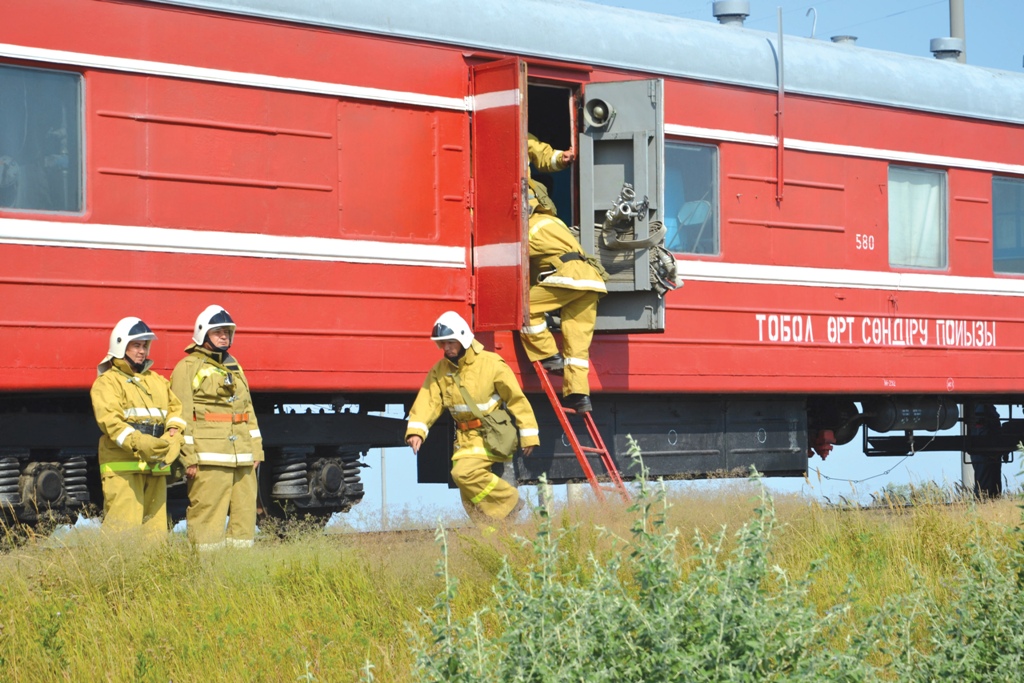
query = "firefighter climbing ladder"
{"x": 578, "y": 448}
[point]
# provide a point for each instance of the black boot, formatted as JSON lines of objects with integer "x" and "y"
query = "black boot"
{"x": 578, "y": 402}
{"x": 554, "y": 365}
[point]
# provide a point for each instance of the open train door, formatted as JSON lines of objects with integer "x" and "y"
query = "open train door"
{"x": 500, "y": 258}
{"x": 622, "y": 140}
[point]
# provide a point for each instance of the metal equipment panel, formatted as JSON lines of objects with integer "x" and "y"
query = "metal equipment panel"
{"x": 622, "y": 141}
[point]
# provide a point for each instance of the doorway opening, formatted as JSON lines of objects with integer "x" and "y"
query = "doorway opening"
{"x": 551, "y": 117}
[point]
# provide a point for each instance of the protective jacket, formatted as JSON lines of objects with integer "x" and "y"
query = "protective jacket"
{"x": 221, "y": 425}
{"x": 130, "y": 409}
{"x": 557, "y": 259}
{"x": 545, "y": 159}
{"x": 490, "y": 382}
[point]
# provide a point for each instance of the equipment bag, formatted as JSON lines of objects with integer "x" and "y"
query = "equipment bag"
{"x": 500, "y": 435}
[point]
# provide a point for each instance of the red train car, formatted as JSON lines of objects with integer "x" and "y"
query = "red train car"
{"x": 849, "y": 225}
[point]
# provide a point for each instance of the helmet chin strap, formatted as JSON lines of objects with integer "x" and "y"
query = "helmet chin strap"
{"x": 136, "y": 367}
{"x": 223, "y": 350}
{"x": 462, "y": 352}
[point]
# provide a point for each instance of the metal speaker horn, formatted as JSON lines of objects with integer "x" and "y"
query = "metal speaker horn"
{"x": 597, "y": 113}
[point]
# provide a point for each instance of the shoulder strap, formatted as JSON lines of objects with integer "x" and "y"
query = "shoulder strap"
{"x": 467, "y": 398}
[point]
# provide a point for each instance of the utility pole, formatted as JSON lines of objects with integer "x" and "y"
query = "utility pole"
{"x": 956, "y": 26}
{"x": 383, "y": 489}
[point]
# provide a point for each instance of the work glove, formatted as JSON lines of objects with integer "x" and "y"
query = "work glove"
{"x": 148, "y": 448}
{"x": 174, "y": 446}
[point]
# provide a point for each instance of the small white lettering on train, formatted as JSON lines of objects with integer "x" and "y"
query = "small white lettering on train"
{"x": 785, "y": 328}
{"x": 894, "y": 332}
{"x": 849, "y": 330}
{"x": 965, "y": 332}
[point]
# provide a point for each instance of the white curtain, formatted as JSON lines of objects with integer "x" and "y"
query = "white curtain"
{"x": 917, "y": 225}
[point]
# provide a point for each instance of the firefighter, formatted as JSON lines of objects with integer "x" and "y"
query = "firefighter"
{"x": 545, "y": 159}
{"x": 141, "y": 431}
{"x": 562, "y": 278}
{"x": 489, "y": 383}
{"x": 223, "y": 446}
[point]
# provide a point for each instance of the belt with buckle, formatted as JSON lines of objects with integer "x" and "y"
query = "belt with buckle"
{"x": 150, "y": 428}
{"x": 472, "y": 424}
{"x": 233, "y": 418}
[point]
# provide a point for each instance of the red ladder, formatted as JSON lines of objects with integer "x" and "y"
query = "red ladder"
{"x": 579, "y": 449}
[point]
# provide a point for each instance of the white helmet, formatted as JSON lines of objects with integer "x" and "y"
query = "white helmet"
{"x": 125, "y": 331}
{"x": 451, "y": 325}
{"x": 211, "y": 318}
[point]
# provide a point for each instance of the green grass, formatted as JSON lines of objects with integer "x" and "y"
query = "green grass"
{"x": 730, "y": 587}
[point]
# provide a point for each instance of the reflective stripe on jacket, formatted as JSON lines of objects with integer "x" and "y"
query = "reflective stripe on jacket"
{"x": 549, "y": 241}
{"x": 217, "y": 407}
{"x": 490, "y": 382}
{"x": 121, "y": 401}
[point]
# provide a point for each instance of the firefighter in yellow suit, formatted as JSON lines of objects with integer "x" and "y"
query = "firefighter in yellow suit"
{"x": 490, "y": 383}
{"x": 223, "y": 446}
{"x": 561, "y": 279}
{"x": 545, "y": 159}
{"x": 142, "y": 431}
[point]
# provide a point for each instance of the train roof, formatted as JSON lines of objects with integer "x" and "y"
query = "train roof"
{"x": 582, "y": 32}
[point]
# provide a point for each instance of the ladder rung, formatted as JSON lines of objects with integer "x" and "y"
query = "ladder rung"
{"x": 580, "y": 450}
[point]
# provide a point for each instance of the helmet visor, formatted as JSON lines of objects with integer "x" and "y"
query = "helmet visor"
{"x": 139, "y": 331}
{"x": 442, "y": 332}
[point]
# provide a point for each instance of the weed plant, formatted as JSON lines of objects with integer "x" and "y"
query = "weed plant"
{"x": 729, "y": 612}
{"x": 754, "y": 589}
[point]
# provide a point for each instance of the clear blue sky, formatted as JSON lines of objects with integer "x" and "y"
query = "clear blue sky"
{"x": 995, "y": 39}
{"x": 993, "y": 27}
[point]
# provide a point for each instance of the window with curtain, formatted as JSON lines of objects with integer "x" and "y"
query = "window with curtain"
{"x": 691, "y": 198}
{"x": 1008, "y": 225}
{"x": 917, "y": 217}
{"x": 40, "y": 139}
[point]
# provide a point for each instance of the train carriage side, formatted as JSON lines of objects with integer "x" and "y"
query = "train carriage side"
{"x": 323, "y": 177}
{"x": 167, "y": 160}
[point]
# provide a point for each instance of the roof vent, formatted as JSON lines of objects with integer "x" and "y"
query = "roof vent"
{"x": 844, "y": 40}
{"x": 731, "y": 12}
{"x": 947, "y": 49}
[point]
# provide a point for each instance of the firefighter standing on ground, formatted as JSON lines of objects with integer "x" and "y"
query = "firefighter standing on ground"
{"x": 561, "y": 279}
{"x": 223, "y": 446}
{"x": 142, "y": 431}
{"x": 490, "y": 383}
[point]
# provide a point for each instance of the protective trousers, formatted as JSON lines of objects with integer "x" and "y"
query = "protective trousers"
{"x": 483, "y": 492}
{"x": 131, "y": 501}
{"x": 213, "y": 494}
{"x": 579, "y": 315}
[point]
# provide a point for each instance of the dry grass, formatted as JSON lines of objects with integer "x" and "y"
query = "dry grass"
{"x": 315, "y": 606}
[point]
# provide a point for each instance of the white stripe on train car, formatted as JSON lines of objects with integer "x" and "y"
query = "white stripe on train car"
{"x": 198, "y": 73}
{"x": 213, "y": 243}
{"x": 841, "y": 150}
{"x": 498, "y": 255}
{"x": 138, "y": 238}
{"x": 471, "y": 103}
{"x": 747, "y": 273}
{"x": 494, "y": 100}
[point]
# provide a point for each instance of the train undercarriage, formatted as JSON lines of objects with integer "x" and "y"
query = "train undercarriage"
{"x": 314, "y": 456}
{"x": 48, "y": 465}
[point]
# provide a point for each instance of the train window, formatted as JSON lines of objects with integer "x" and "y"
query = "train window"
{"x": 691, "y": 198}
{"x": 40, "y": 139}
{"x": 1008, "y": 225}
{"x": 917, "y": 217}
